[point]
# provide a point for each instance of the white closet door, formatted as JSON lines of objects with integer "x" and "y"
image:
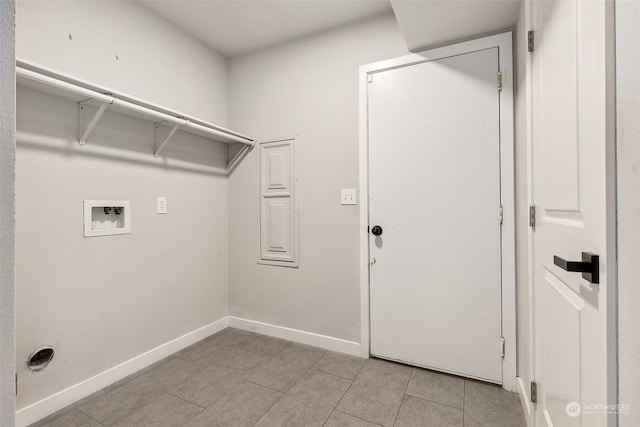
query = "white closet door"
{"x": 574, "y": 168}
{"x": 434, "y": 159}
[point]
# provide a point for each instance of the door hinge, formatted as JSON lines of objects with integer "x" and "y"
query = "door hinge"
{"x": 501, "y": 346}
{"x": 499, "y": 81}
{"x": 530, "y": 42}
{"x": 532, "y": 216}
{"x": 534, "y": 392}
{"x": 369, "y": 78}
{"x": 501, "y": 214}
{"x": 16, "y": 383}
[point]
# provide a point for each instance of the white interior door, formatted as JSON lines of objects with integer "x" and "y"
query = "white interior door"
{"x": 434, "y": 189}
{"x": 573, "y": 159}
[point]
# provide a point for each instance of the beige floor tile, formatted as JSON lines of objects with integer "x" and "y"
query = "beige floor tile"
{"x": 308, "y": 403}
{"x": 167, "y": 411}
{"x": 123, "y": 401}
{"x": 287, "y": 367}
{"x": 265, "y": 344}
{"x": 69, "y": 419}
{"x": 242, "y": 406}
{"x": 339, "y": 364}
{"x": 81, "y": 402}
{"x": 243, "y": 361}
{"x": 436, "y": 387}
{"x": 376, "y": 393}
{"x": 212, "y": 351}
{"x": 338, "y": 419}
{"x": 241, "y": 378}
{"x": 415, "y": 412}
{"x": 207, "y": 387}
{"x": 173, "y": 372}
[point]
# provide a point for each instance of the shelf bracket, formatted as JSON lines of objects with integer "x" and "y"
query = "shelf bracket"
{"x": 85, "y": 132}
{"x": 239, "y": 156}
{"x": 160, "y": 147}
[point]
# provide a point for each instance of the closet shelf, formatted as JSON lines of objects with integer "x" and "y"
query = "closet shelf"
{"x": 84, "y": 93}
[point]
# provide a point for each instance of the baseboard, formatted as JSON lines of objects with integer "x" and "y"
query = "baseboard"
{"x": 525, "y": 400}
{"x": 303, "y": 337}
{"x": 47, "y": 406}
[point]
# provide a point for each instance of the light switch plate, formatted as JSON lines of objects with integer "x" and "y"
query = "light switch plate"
{"x": 348, "y": 196}
{"x": 161, "y": 205}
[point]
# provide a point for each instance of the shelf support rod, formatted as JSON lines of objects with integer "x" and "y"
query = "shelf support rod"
{"x": 82, "y": 139}
{"x": 239, "y": 156}
{"x": 160, "y": 147}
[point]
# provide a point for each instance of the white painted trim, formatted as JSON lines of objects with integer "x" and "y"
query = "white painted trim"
{"x": 508, "y": 181}
{"x": 525, "y": 400}
{"x": 364, "y": 213}
{"x": 296, "y": 335}
{"x": 528, "y": 92}
{"x": 63, "y": 398}
{"x": 527, "y": 85}
{"x": 504, "y": 43}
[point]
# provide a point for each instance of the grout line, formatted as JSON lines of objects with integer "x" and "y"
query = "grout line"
{"x": 351, "y": 385}
{"x": 355, "y": 416}
{"x": 186, "y": 400}
{"x": 189, "y": 420}
{"x": 395, "y": 419}
{"x": 329, "y": 373}
{"x": 361, "y": 368}
{"x": 341, "y": 397}
{"x": 89, "y": 417}
{"x": 270, "y": 407}
{"x": 434, "y": 402}
{"x": 262, "y": 385}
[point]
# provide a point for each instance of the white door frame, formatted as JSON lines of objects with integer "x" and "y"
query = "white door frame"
{"x": 504, "y": 43}
{"x": 527, "y": 373}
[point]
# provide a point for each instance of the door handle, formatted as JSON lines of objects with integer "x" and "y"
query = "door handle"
{"x": 589, "y": 266}
{"x": 376, "y": 230}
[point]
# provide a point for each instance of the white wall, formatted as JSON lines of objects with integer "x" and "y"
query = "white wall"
{"x": 7, "y": 212}
{"x": 157, "y": 62}
{"x": 307, "y": 88}
{"x": 628, "y": 141}
{"x": 102, "y": 301}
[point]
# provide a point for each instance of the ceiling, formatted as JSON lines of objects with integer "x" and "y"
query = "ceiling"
{"x": 234, "y": 27}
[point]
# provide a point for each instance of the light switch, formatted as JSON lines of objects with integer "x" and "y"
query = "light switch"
{"x": 348, "y": 196}
{"x": 161, "y": 205}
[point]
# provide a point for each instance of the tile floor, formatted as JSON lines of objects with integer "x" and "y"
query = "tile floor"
{"x": 238, "y": 378}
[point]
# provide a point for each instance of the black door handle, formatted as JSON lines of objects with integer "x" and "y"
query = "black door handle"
{"x": 589, "y": 266}
{"x": 376, "y": 230}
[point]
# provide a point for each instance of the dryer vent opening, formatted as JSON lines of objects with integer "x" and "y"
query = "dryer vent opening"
{"x": 40, "y": 358}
